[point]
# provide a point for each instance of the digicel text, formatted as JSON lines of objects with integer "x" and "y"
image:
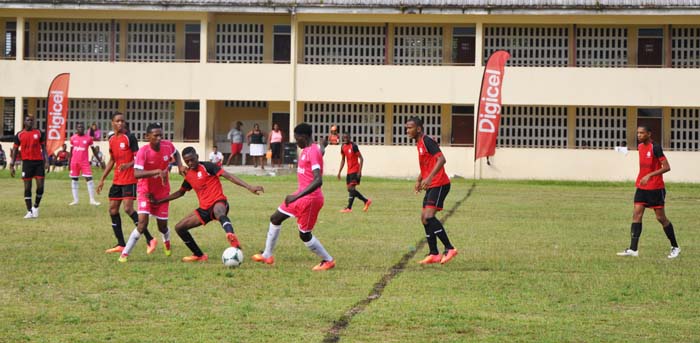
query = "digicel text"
{"x": 490, "y": 103}
{"x": 55, "y": 120}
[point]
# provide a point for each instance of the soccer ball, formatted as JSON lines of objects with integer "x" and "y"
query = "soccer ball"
{"x": 232, "y": 257}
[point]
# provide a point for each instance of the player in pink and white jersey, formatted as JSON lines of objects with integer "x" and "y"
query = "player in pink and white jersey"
{"x": 152, "y": 168}
{"x": 304, "y": 204}
{"x": 80, "y": 163}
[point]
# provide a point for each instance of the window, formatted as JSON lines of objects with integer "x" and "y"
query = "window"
{"x": 463, "y": 45}
{"x": 77, "y": 41}
{"x": 685, "y": 47}
{"x": 533, "y": 127}
{"x": 338, "y": 44}
{"x": 685, "y": 129}
{"x": 282, "y": 43}
{"x": 601, "y": 127}
{"x": 239, "y": 43}
{"x": 151, "y": 42}
{"x": 418, "y": 45}
{"x": 364, "y": 122}
{"x": 601, "y": 47}
{"x": 529, "y": 46}
{"x": 430, "y": 114}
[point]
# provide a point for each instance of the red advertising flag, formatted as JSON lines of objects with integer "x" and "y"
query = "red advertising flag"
{"x": 57, "y": 112}
{"x": 490, "y": 105}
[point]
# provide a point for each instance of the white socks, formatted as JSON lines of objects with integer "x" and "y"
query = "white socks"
{"x": 317, "y": 248}
{"x": 166, "y": 236}
{"x": 74, "y": 189}
{"x": 273, "y": 233}
{"x": 133, "y": 238}
{"x": 91, "y": 191}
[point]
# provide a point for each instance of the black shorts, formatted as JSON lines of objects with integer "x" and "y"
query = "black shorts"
{"x": 122, "y": 192}
{"x": 61, "y": 163}
{"x": 655, "y": 198}
{"x": 435, "y": 197}
{"x": 352, "y": 179}
{"x": 32, "y": 169}
{"x": 207, "y": 215}
{"x": 276, "y": 150}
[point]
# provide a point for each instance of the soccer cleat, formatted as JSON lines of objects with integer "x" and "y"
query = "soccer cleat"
{"x": 195, "y": 258}
{"x": 35, "y": 212}
{"x": 628, "y": 252}
{"x": 233, "y": 240}
{"x": 430, "y": 259}
{"x": 324, "y": 265}
{"x": 346, "y": 210}
{"x": 29, "y": 215}
{"x": 75, "y": 202}
{"x": 94, "y": 203}
{"x": 448, "y": 256}
{"x": 167, "y": 250}
{"x": 367, "y": 204}
{"x": 116, "y": 248}
{"x": 260, "y": 258}
{"x": 675, "y": 251}
{"x": 123, "y": 258}
{"x": 151, "y": 246}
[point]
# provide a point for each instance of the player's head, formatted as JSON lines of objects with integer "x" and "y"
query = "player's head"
{"x": 28, "y": 122}
{"x": 118, "y": 122}
{"x": 189, "y": 155}
{"x": 238, "y": 125}
{"x": 346, "y": 138}
{"x": 275, "y": 126}
{"x": 302, "y": 134}
{"x": 414, "y": 127}
{"x": 80, "y": 129}
{"x": 643, "y": 133}
{"x": 65, "y": 147}
{"x": 216, "y": 148}
{"x": 154, "y": 134}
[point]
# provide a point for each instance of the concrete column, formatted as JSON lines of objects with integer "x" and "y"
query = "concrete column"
{"x": 294, "y": 56}
{"x": 179, "y": 124}
{"x": 20, "y": 40}
{"x": 446, "y": 126}
{"x": 389, "y": 44}
{"x": 666, "y": 127}
{"x": 447, "y": 45}
{"x": 179, "y": 41}
{"x": 19, "y": 113}
{"x": 203, "y": 49}
{"x": 123, "y": 43}
{"x": 479, "y": 47}
{"x": 632, "y": 127}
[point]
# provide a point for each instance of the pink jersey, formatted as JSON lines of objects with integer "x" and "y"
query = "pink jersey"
{"x": 149, "y": 159}
{"x": 80, "y": 146}
{"x": 309, "y": 160}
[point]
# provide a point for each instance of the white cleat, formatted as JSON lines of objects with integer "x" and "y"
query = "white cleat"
{"x": 628, "y": 252}
{"x": 29, "y": 215}
{"x": 675, "y": 251}
{"x": 73, "y": 203}
{"x": 94, "y": 203}
{"x": 35, "y": 212}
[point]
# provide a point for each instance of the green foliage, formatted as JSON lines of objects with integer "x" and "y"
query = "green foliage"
{"x": 537, "y": 263}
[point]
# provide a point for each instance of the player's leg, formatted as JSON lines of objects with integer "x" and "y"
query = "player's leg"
{"x": 273, "y": 233}
{"x": 220, "y": 213}
{"x": 165, "y": 231}
{"x": 116, "y": 223}
{"x": 182, "y": 228}
{"x": 86, "y": 170}
{"x": 28, "y": 197}
{"x": 129, "y": 192}
{"x": 39, "y": 192}
{"x": 635, "y": 231}
{"x": 74, "y": 185}
{"x": 308, "y": 210}
{"x": 668, "y": 230}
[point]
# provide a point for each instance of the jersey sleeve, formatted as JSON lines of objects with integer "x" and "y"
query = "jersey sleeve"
{"x": 186, "y": 186}
{"x": 315, "y": 158}
{"x": 355, "y": 148}
{"x": 212, "y": 168}
{"x": 133, "y": 143}
{"x": 658, "y": 151}
{"x": 140, "y": 159}
{"x": 431, "y": 146}
{"x": 16, "y": 141}
{"x": 42, "y": 136}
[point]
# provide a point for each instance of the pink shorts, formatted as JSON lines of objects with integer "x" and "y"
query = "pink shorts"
{"x": 78, "y": 168}
{"x": 236, "y": 148}
{"x": 159, "y": 211}
{"x": 305, "y": 210}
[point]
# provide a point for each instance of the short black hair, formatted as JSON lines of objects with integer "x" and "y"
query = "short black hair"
{"x": 646, "y": 128}
{"x": 189, "y": 150}
{"x": 303, "y": 129}
{"x": 116, "y": 114}
{"x": 416, "y": 120}
{"x": 153, "y": 126}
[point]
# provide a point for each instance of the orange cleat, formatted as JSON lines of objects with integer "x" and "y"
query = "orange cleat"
{"x": 367, "y": 204}
{"x": 324, "y": 265}
{"x": 260, "y": 258}
{"x": 152, "y": 246}
{"x": 346, "y": 210}
{"x": 195, "y": 258}
{"x": 430, "y": 259}
{"x": 449, "y": 255}
{"x": 233, "y": 240}
{"x": 116, "y": 248}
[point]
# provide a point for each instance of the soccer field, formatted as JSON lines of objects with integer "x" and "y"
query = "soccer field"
{"x": 537, "y": 263}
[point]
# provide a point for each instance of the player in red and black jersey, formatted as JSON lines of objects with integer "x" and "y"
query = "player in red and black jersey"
{"x": 122, "y": 149}
{"x": 436, "y": 184}
{"x": 32, "y": 144}
{"x": 203, "y": 177}
{"x": 651, "y": 192}
{"x": 351, "y": 152}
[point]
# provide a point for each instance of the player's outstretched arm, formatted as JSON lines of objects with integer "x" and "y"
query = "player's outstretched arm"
{"x": 316, "y": 183}
{"x": 181, "y": 168}
{"x": 234, "y": 179}
{"x": 177, "y": 194}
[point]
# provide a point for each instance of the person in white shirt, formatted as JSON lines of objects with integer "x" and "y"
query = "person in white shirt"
{"x": 216, "y": 157}
{"x": 235, "y": 136}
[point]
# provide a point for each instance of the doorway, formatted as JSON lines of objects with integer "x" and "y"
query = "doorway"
{"x": 653, "y": 119}
{"x": 650, "y": 43}
{"x": 463, "y": 125}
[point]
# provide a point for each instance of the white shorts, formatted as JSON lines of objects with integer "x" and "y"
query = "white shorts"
{"x": 257, "y": 149}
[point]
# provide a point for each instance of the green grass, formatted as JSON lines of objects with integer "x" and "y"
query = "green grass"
{"x": 537, "y": 263}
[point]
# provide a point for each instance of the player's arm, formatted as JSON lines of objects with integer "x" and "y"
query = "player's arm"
{"x": 13, "y": 155}
{"x": 95, "y": 153}
{"x": 316, "y": 183}
{"x": 360, "y": 159}
{"x": 177, "y": 194}
{"x": 108, "y": 170}
{"x": 342, "y": 162}
{"x": 665, "y": 166}
{"x": 236, "y": 180}
{"x": 180, "y": 167}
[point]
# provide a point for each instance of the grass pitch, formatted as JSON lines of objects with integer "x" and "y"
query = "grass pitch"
{"x": 537, "y": 263}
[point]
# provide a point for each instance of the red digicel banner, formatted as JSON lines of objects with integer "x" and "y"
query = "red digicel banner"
{"x": 490, "y": 105}
{"x": 57, "y": 113}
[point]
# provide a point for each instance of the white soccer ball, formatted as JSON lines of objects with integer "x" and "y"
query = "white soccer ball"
{"x": 232, "y": 257}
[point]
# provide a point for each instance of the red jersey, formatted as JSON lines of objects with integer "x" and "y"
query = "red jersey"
{"x": 650, "y": 157}
{"x": 351, "y": 152}
{"x": 205, "y": 182}
{"x": 30, "y": 143}
{"x": 62, "y": 155}
{"x": 428, "y": 152}
{"x": 122, "y": 149}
